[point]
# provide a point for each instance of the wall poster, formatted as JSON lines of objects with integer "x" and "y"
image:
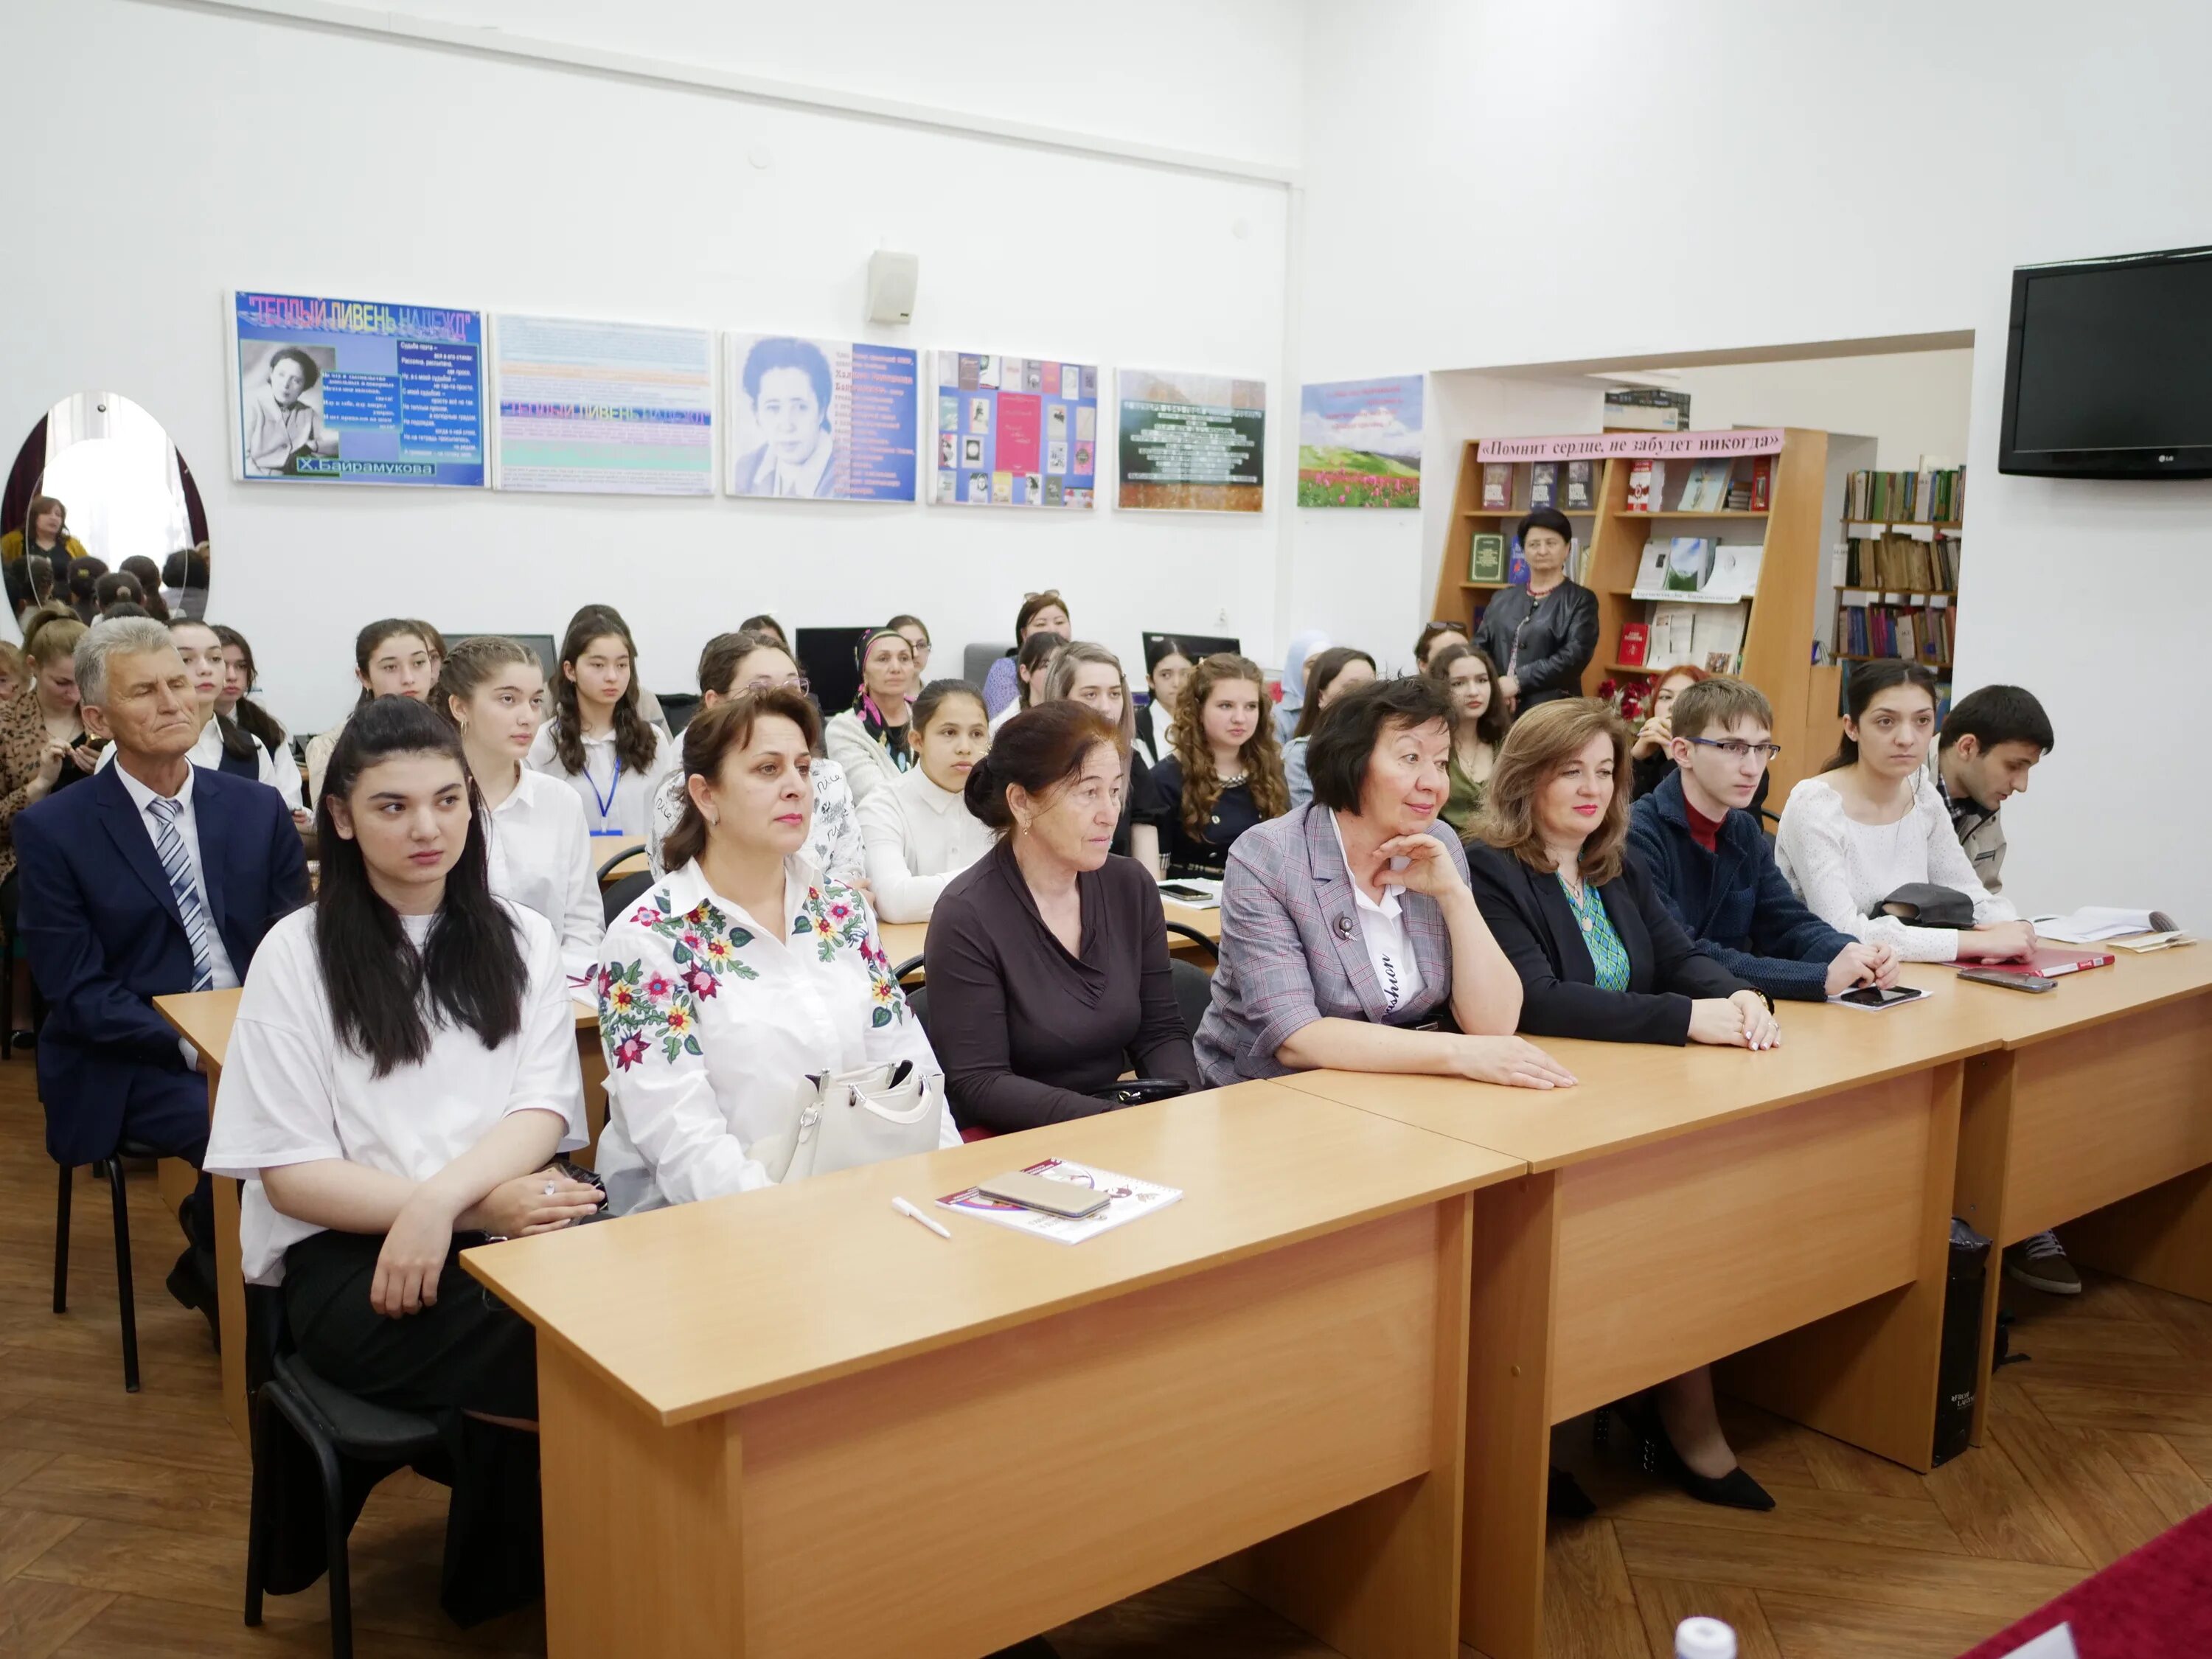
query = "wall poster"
{"x": 593, "y": 408}
{"x": 1015, "y": 431}
{"x": 357, "y": 391}
{"x": 830, "y": 420}
{"x": 1360, "y": 443}
{"x": 1190, "y": 442}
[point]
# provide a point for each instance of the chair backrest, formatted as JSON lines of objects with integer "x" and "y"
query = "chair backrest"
{"x": 1194, "y": 992}
{"x": 975, "y": 661}
{"x": 618, "y": 896}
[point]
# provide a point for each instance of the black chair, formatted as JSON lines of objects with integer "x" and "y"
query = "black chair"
{"x": 336, "y": 1427}
{"x": 112, "y": 1166}
{"x": 620, "y": 896}
{"x": 917, "y": 996}
{"x": 1194, "y": 992}
{"x": 1213, "y": 946}
{"x": 630, "y": 851}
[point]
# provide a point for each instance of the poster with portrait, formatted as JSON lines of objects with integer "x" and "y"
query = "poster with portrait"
{"x": 357, "y": 391}
{"x": 1015, "y": 431}
{"x": 820, "y": 420}
{"x": 1360, "y": 443}
{"x": 1190, "y": 443}
{"x": 593, "y": 408}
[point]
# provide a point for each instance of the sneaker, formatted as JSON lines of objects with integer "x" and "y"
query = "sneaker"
{"x": 2040, "y": 1263}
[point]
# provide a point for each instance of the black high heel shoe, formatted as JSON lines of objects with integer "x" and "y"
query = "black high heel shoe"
{"x": 1735, "y": 1490}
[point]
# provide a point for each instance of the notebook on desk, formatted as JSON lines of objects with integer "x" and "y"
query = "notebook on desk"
{"x": 2050, "y": 962}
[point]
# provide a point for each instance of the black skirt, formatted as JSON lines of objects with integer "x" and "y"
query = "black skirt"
{"x": 468, "y": 1352}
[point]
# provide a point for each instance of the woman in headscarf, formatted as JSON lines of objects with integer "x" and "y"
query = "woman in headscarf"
{"x": 1302, "y": 648}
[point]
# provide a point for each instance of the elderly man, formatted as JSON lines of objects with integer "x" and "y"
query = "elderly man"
{"x": 153, "y": 876}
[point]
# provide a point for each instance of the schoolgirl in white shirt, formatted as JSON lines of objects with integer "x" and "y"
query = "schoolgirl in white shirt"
{"x": 401, "y": 1073}
{"x": 743, "y": 973}
{"x": 918, "y": 833}
{"x": 540, "y": 850}
{"x": 598, "y": 741}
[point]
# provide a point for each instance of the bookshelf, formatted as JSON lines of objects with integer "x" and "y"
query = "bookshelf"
{"x": 1899, "y": 589}
{"x": 1777, "y": 649}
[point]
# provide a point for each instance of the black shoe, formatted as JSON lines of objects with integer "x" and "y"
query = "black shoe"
{"x": 192, "y": 1281}
{"x": 1735, "y": 1490}
{"x": 1565, "y": 1498}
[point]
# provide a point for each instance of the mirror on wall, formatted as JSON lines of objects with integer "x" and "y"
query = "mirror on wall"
{"x": 100, "y": 509}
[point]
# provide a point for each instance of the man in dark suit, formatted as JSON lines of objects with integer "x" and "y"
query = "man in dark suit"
{"x": 153, "y": 876}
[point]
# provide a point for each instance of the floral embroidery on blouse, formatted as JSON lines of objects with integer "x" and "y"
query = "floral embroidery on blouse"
{"x": 839, "y": 919}
{"x": 640, "y": 1011}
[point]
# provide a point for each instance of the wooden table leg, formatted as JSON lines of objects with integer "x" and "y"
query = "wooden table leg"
{"x": 1977, "y": 1195}
{"x": 593, "y": 1057}
{"x": 1517, "y": 1239}
{"x": 230, "y": 1302}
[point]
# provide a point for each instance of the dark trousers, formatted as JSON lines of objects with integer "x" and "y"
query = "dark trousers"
{"x": 468, "y": 1352}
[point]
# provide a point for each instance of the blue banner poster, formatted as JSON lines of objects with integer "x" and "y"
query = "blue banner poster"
{"x": 824, "y": 420}
{"x": 616, "y": 409}
{"x": 358, "y": 392}
{"x": 1016, "y": 431}
{"x": 1360, "y": 443}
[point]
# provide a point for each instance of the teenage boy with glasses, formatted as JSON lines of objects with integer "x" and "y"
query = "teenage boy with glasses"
{"x": 1713, "y": 867}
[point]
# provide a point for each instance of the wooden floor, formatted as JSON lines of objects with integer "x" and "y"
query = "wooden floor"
{"x": 123, "y": 1518}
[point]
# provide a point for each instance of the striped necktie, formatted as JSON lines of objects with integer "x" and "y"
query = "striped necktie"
{"x": 176, "y": 864}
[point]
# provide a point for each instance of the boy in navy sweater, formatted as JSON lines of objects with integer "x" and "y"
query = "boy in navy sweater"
{"x": 1712, "y": 865}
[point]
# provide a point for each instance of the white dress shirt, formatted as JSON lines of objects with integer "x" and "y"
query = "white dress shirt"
{"x": 714, "y": 1020}
{"x": 293, "y": 1093}
{"x": 206, "y": 752}
{"x": 188, "y": 826}
{"x": 919, "y": 837}
{"x": 618, "y": 800}
{"x": 1383, "y": 930}
{"x": 541, "y": 859}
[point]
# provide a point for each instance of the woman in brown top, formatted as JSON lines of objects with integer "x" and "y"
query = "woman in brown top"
{"x": 42, "y": 741}
{"x": 1049, "y": 972}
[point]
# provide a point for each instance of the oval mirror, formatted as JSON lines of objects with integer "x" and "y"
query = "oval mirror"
{"x": 100, "y": 510}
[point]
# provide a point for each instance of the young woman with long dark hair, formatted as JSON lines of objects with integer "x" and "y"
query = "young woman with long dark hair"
{"x": 1225, "y": 775}
{"x": 598, "y": 742}
{"x": 919, "y": 833}
{"x": 1480, "y": 720}
{"x": 391, "y": 658}
{"x": 1328, "y": 674}
{"x": 401, "y": 1074}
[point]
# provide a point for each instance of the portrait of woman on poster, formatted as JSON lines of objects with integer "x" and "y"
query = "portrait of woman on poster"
{"x": 790, "y": 386}
{"x": 280, "y": 425}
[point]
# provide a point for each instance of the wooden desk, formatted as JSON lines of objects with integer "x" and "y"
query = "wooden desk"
{"x": 1686, "y": 1205}
{"x": 203, "y": 1018}
{"x": 793, "y": 1422}
{"x": 902, "y": 941}
{"x": 2095, "y": 1113}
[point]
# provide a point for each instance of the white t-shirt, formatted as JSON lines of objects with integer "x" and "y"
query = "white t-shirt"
{"x": 1383, "y": 930}
{"x": 713, "y": 1021}
{"x": 618, "y": 800}
{"x": 541, "y": 858}
{"x": 919, "y": 839}
{"x": 292, "y": 1093}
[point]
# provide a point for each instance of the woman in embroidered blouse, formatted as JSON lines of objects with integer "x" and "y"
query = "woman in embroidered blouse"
{"x": 599, "y": 742}
{"x": 873, "y": 740}
{"x": 918, "y": 833}
{"x": 1328, "y": 675}
{"x": 755, "y": 661}
{"x": 1480, "y": 720}
{"x": 743, "y": 972}
{"x": 1599, "y": 956}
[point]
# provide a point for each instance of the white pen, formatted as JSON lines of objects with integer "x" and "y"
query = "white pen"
{"x": 907, "y": 1209}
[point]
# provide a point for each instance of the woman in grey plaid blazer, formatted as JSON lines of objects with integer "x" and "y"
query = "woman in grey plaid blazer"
{"x": 1348, "y": 933}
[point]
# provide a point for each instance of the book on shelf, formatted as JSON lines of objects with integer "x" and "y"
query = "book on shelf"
{"x": 1878, "y": 623}
{"x": 1917, "y": 564}
{"x": 1716, "y": 634}
{"x": 1581, "y": 486}
{"x": 1674, "y": 634}
{"x": 1634, "y": 637}
{"x": 1647, "y": 482}
{"x": 1739, "y": 495}
{"x": 1699, "y": 570}
{"x": 1516, "y": 564}
{"x": 1929, "y": 496}
{"x": 1544, "y": 484}
{"x": 1486, "y": 559}
{"x": 1706, "y": 488}
{"x": 1762, "y": 482}
{"x": 1497, "y": 486}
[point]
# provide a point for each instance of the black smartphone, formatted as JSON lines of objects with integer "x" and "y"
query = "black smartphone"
{"x": 2011, "y": 981}
{"x": 1875, "y": 996}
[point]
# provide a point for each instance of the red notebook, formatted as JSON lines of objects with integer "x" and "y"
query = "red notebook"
{"x": 2053, "y": 960}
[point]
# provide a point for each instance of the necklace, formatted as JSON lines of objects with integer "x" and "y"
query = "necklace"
{"x": 1232, "y": 782}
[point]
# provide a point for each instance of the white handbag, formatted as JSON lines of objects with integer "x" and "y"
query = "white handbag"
{"x": 856, "y": 1117}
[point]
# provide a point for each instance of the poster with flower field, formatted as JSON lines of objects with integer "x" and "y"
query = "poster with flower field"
{"x": 1360, "y": 443}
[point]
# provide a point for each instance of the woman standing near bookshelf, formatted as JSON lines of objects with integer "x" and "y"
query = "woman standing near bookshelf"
{"x": 1542, "y": 635}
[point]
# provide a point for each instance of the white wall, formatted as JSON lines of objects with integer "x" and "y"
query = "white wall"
{"x": 1498, "y": 184}
{"x": 1911, "y": 403}
{"x": 221, "y": 151}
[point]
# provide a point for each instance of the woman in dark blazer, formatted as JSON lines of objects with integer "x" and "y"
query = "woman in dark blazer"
{"x": 1543, "y": 635}
{"x": 1599, "y": 956}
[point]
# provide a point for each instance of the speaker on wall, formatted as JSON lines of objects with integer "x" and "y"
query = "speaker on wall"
{"x": 891, "y": 279}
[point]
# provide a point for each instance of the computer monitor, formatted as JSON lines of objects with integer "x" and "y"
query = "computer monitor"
{"x": 830, "y": 658}
{"x": 1193, "y": 645}
{"x": 547, "y": 647}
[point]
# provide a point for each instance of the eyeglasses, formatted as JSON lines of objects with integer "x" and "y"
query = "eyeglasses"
{"x": 798, "y": 682}
{"x": 1737, "y": 750}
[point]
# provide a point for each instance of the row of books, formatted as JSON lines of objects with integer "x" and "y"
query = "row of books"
{"x": 1495, "y": 558}
{"x": 1570, "y": 486}
{"x": 1902, "y": 562}
{"x": 1931, "y": 496}
{"x": 1709, "y": 486}
{"x": 1711, "y": 636}
{"x": 1867, "y": 627}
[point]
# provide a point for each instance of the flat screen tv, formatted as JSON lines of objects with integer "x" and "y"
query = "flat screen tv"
{"x": 2108, "y": 369}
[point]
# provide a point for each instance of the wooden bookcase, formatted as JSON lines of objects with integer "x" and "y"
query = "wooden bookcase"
{"x": 1779, "y": 638}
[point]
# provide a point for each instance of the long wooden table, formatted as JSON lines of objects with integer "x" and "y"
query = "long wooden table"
{"x": 794, "y": 1423}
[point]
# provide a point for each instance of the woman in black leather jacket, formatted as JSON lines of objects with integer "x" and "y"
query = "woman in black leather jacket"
{"x": 1543, "y": 635}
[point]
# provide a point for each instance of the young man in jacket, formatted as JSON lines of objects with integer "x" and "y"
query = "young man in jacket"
{"x": 1712, "y": 864}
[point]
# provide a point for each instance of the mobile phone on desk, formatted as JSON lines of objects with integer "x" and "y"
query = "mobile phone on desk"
{"x": 1037, "y": 1192}
{"x": 1877, "y": 996}
{"x": 2011, "y": 981}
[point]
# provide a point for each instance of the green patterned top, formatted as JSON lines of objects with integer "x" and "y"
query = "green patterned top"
{"x": 1607, "y": 953}
{"x": 1465, "y": 799}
